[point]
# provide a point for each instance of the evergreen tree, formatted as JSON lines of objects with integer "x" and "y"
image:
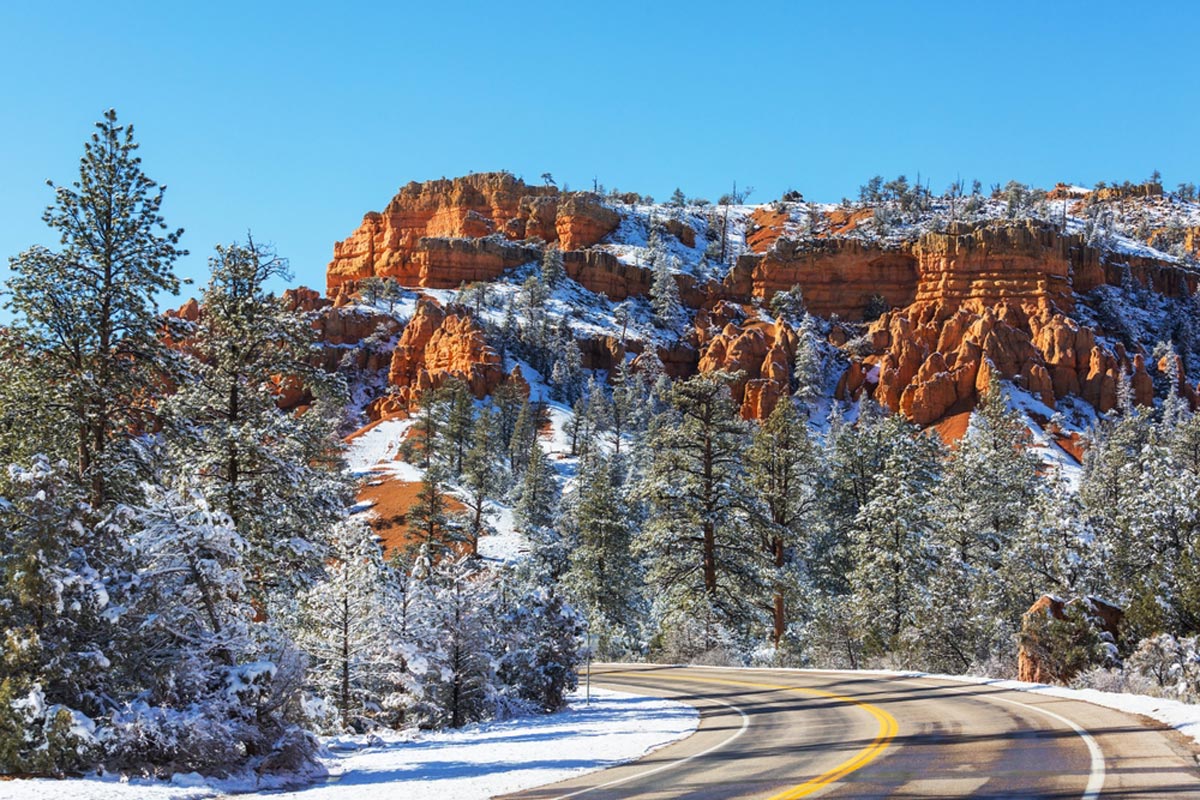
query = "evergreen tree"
{"x": 428, "y": 519}
{"x": 603, "y": 575}
{"x": 482, "y": 476}
{"x": 568, "y": 375}
{"x": 979, "y": 507}
{"x": 455, "y": 665}
{"x": 535, "y": 514}
{"x": 785, "y": 471}
{"x": 891, "y": 545}
{"x": 809, "y": 363}
{"x": 664, "y": 294}
{"x": 277, "y": 475}
{"x": 86, "y": 317}
{"x": 58, "y": 638}
{"x": 702, "y": 556}
{"x": 552, "y": 271}
{"x": 346, "y": 624}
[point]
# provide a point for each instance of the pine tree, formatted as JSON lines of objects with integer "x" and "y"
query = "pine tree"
{"x": 455, "y": 664}
{"x": 535, "y": 514}
{"x": 277, "y": 475}
{"x": 603, "y": 575}
{"x": 703, "y": 559}
{"x": 891, "y": 545}
{"x": 568, "y": 371}
{"x": 428, "y": 519}
{"x": 346, "y": 624}
{"x": 482, "y": 476}
{"x": 664, "y": 294}
{"x": 86, "y": 314}
{"x": 979, "y": 507}
{"x": 809, "y": 363}
{"x": 57, "y": 625}
{"x": 552, "y": 270}
{"x": 785, "y": 471}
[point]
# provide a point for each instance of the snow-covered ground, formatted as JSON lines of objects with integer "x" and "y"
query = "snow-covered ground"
{"x": 477, "y": 762}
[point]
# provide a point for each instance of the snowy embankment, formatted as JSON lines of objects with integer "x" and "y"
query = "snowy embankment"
{"x": 477, "y": 762}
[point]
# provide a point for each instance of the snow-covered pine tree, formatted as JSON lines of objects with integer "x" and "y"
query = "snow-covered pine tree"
{"x": 278, "y": 475}
{"x": 552, "y": 270}
{"x": 537, "y": 646}
{"x": 786, "y": 472}
{"x": 891, "y": 546}
{"x": 704, "y": 563}
{"x": 809, "y": 364}
{"x": 980, "y": 503}
{"x": 454, "y": 665}
{"x": 85, "y": 316}
{"x": 429, "y": 523}
{"x": 603, "y": 577}
{"x": 567, "y": 376}
{"x": 482, "y": 476}
{"x": 536, "y": 514}
{"x": 664, "y": 294}
{"x": 57, "y": 624}
{"x": 346, "y": 623}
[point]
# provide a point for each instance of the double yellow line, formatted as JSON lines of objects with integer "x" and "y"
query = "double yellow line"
{"x": 888, "y": 728}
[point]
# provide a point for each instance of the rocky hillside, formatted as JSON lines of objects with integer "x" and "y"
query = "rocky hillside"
{"x": 921, "y": 299}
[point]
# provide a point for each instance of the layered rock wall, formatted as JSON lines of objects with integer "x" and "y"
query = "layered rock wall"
{"x": 407, "y": 240}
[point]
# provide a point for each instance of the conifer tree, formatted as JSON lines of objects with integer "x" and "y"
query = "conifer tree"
{"x": 603, "y": 575}
{"x": 535, "y": 514}
{"x": 85, "y": 315}
{"x": 702, "y": 556}
{"x": 482, "y": 474}
{"x": 552, "y": 270}
{"x": 891, "y": 546}
{"x": 785, "y": 471}
{"x": 664, "y": 294}
{"x": 276, "y": 474}
{"x": 346, "y": 624}
{"x": 809, "y": 363}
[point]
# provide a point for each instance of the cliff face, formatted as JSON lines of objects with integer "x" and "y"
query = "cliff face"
{"x": 954, "y": 304}
{"x": 995, "y": 301}
{"x": 439, "y": 233}
{"x": 439, "y": 344}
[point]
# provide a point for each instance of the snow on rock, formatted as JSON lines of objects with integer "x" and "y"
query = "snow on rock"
{"x": 477, "y": 762}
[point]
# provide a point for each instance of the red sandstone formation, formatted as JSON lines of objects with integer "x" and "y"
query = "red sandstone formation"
{"x": 763, "y": 353}
{"x": 1032, "y": 666}
{"x": 440, "y": 344}
{"x": 440, "y": 233}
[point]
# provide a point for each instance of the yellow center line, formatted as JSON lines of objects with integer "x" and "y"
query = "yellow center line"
{"x": 888, "y": 728}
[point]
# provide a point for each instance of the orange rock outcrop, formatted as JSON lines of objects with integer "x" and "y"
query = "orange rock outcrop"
{"x": 414, "y": 238}
{"x": 762, "y": 353}
{"x": 439, "y": 344}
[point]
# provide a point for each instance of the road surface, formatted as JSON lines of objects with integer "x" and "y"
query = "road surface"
{"x": 777, "y": 735}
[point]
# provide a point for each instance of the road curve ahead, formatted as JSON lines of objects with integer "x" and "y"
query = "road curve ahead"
{"x": 778, "y": 735}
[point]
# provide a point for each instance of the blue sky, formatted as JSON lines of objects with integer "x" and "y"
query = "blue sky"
{"x": 293, "y": 119}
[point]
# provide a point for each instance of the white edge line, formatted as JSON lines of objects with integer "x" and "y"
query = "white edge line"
{"x": 1096, "y": 774}
{"x": 1096, "y": 777}
{"x": 676, "y": 763}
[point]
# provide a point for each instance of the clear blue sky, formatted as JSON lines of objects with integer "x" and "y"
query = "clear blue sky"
{"x": 293, "y": 119}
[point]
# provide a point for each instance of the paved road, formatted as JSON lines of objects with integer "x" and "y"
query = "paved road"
{"x": 779, "y": 735}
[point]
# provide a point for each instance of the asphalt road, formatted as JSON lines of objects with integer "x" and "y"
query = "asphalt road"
{"x": 777, "y": 735}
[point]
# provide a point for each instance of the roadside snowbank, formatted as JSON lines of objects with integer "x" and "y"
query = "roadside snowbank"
{"x": 477, "y": 762}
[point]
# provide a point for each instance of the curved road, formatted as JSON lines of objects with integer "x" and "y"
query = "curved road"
{"x": 777, "y": 735}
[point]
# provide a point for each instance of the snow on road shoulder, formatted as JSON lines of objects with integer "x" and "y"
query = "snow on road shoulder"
{"x": 477, "y": 762}
{"x": 501, "y": 757}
